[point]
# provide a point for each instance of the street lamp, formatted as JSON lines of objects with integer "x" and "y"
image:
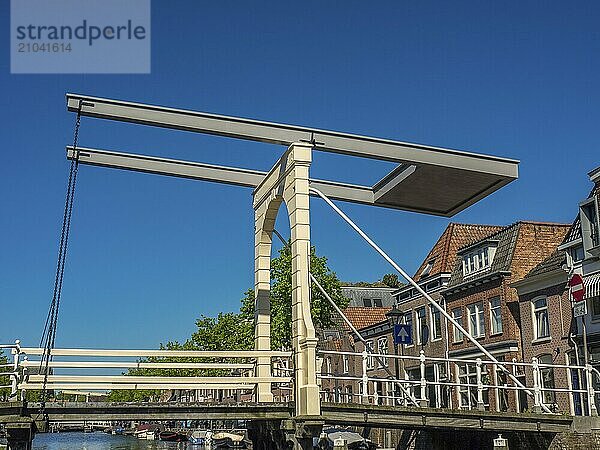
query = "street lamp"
{"x": 394, "y": 317}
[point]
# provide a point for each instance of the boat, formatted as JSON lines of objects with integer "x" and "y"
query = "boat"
{"x": 147, "y": 431}
{"x": 198, "y": 437}
{"x": 172, "y": 436}
{"x": 354, "y": 440}
{"x": 224, "y": 439}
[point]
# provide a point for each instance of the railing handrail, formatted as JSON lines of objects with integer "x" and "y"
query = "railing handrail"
{"x": 455, "y": 360}
{"x": 137, "y": 365}
{"x": 157, "y": 353}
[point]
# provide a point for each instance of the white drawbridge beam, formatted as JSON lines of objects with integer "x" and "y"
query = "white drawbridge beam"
{"x": 431, "y": 180}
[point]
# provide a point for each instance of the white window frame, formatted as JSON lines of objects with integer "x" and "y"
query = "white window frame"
{"x": 455, "y": 331}
{"x": 383, "y": 362}
{"x": 412, "y": 325}
{"x": 433, "y": 311}
{"x": 534, "y": 312}
{"x": 476, "y": 310}
{"x": 493, "y": 311}
{"x": 478, "y": 259}
{"x": 589, "y": 229}
{"x": 370, "y": 358}
{"x": 419, "y": 324}
{"x": 346, "y": 363}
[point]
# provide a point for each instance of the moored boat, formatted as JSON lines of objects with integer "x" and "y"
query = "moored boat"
{"x": 224, "y": 439}
{"x": 172, "y": 436}
{"x": 198, "y": 437}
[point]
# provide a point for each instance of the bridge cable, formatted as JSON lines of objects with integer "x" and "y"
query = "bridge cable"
{"x": 49, "y": 332}
{"x": 379, "y": 359}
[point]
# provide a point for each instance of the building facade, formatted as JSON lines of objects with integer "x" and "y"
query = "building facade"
{"x": 480, "y": 297}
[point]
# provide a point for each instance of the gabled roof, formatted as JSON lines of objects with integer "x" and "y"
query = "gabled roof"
{"x": 364, "y": 316}
{"x": 574, "y": 233}
{"x": 552, "y": 262}
{"x": 455, "y": 236}
{"x": 506, "y": 243}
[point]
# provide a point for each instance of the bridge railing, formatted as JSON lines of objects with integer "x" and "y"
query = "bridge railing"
{"x": 191, "y": 374}
{"x": 457, "y": 383}
{"x": 11, "y": 369}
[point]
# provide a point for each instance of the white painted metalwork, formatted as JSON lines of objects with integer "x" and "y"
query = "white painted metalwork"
{"x": 408, "y": 278}
{"x": 235, "y": 370}
{"x": 474, "y": 390}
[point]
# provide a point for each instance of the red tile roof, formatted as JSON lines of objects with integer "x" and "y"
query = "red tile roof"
{"x": 455, "y": 236}
{"x": 364, "y": 316}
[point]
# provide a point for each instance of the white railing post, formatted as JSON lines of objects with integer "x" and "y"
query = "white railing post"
{"x": 590, "y": 390}
{"x": 423, "y": 399}
{"x": 16, "y": 352}
{"x": 365, "y": 378}
{"x": 480, "y": 404}
{"x": 537, "y": 391}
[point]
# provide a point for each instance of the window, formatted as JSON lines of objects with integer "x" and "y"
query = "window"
{"x": 427, "y": 268}
{"x": 576, "y": 254}
{"x": 495, "y": 315}
{"x": 457, "y": 335}
{"x": 547, "y": 380}
{"x": 370, "y": 358}
{"x": 328, "y": 365}
{"x": 405, "y": 295}
{"x": 408, "y": 319}
{"x": 589, "y": 225}
{"x": 478, "y": 259}
{"x": 433, "y": 285}
{"x": 382, "y": 348}
{"x": 476, "y": 324}
{"x": 436, "y": 323}
{"x": 349, "y": 394}
{"x": 421, "y": 325}
{"x": 541, "y": 327}
{"x": 377, "y": 302}
{"x": 367, "y": 302}
{"x": 346, "y": 363}
{"x": 467, "y": 375}
{"x": 595, "y": 302}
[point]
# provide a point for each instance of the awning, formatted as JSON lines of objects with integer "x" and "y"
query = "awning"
{"x": 592, "y": 285}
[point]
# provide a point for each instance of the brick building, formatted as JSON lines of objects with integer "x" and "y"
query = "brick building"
{"x": 345, "y": 370}
{"x": 582, "y": 247}
{"x": 430, "y": 328}
{"x": 546, "y": 329}
{"x": 479, "y": 295}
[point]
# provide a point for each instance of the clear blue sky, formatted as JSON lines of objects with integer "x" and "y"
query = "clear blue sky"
{"x": 149, "y": 254}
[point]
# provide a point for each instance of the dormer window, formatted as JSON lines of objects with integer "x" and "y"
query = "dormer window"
{"x": 427, "y": 268}
{"x": 590, "y": 228}
{"x": 478, "y": 259}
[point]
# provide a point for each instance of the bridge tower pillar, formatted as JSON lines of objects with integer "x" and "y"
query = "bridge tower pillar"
{"x": 288, "y": 182}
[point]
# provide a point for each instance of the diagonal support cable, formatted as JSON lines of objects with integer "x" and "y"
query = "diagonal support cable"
{"x": 435, "y": 304}
{"x": 354, "y": 330}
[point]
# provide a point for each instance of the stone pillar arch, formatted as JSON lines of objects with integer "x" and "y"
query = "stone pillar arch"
{"x": 287, "y": 182}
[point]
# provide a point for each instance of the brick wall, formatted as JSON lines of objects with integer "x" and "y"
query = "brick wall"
{"x": 557, "y": 344}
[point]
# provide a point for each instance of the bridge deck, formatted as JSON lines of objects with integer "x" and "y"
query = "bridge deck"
{"x": 332, "y": 413}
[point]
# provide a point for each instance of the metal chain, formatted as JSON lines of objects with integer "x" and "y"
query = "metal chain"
{"x": 49, "y": 333}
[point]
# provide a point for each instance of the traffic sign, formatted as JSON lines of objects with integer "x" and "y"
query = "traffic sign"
{"x": 579, "y": 309}
{"x": 577, "y": 287}
{"x": 403, "y": 334}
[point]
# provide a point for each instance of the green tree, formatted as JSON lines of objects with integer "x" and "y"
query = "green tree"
{"x": 4, "y": 379}
{"x": 235, "y": 330}
{"x": 391, "y": 280}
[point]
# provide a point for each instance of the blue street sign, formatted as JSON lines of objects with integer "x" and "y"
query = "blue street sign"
{"x": 403, "y": 334}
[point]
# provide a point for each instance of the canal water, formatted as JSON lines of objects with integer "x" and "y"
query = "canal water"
{"x": 103, "y": 441}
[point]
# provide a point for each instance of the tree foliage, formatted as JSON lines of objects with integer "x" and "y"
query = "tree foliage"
{"x": 235, "y": 330}
{"x": 391, "y": 280}
{"x": 4, "y": 379}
